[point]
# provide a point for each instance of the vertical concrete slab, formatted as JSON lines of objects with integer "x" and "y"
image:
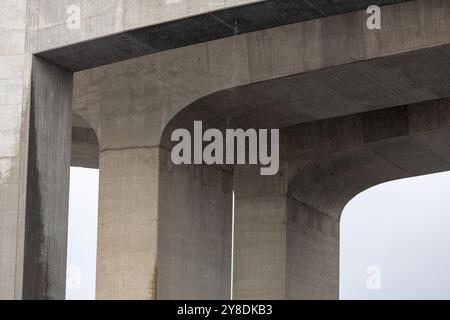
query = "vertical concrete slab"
{"x": 49, "y": 150}
{"x": 282, "y": 248}
{"x": 312, "y": 254}
{"x": 194, "y": 243}
{"x": 259, "y": 235}
{"x": 127, "y": 223}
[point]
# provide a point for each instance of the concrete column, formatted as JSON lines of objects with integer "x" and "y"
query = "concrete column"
{"x": 49, "y": 153}
{"x": 194, "y": 244}
{"x": 259, "y": 235}
{"x": 283, "y": 249}
{"x": 127, "y": 223}
{"x": 162, "y": 234}
{"x": 312, "y": 253}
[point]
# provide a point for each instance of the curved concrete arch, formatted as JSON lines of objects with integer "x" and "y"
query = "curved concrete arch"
{"x": 327, "y": 184}
{"x": 410, "y": 146}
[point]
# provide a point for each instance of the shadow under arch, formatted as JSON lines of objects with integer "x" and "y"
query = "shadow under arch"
{"x": 85, "y": 144}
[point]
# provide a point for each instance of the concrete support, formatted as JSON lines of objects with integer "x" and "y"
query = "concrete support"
{"x": 282, "y": 248}
{"x": 47, "y": 196}
{"x": 162, "y": 234}
{"x": 259, "y": 235}
{"x": 312, "y": 253}
{"x": 194, "y": 243}
{"x": 127, "y": 223}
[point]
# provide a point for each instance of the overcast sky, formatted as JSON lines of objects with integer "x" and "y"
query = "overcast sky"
{"x": 394, "y": 239}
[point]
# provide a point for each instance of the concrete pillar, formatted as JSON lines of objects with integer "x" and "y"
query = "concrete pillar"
{"x": 259, "y": 234}
{"x": 312, "y": 253}
{"x": 194, "y": 243}
{"x": 283, "y": 249}
{"x": 47, "y": 195}
{"x": 162, "y": 234}
{"x": 127, "y": 223}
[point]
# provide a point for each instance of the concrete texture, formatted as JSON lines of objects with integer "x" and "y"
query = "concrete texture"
{"x": 259, "y": 235}
{"x": 46, "y": 221}
{"x": 194, "y": 232}
{"x": 199, "y": 28}
{"x": 102, "y": 18}
{"x": 127, "y": 223}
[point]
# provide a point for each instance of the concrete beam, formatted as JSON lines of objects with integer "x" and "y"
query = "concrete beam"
{"x": 197, "y": 29}
{"x": 243, "y": 79}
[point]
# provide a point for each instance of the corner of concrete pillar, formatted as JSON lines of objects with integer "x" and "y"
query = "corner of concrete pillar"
{"x": 47, "y": 182}
{"x": 282, "y": 249}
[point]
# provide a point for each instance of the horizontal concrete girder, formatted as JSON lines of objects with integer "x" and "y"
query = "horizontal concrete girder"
{"x": 199, "y": 28}
{"x": 277, "y": 77}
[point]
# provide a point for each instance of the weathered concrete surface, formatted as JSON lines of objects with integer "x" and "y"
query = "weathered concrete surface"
{"x": 191, "y": 21}
{"x": 194, "y": 232}
{"x": 197, "y": 29}
{"x": 47, "y": 198}
{"x": 105, "y": 17}
{"x": 259, "y": 234}
{"x": 13, "y": 79}
{"x": 127, "y": 223}
{"x": 312, "y": 254}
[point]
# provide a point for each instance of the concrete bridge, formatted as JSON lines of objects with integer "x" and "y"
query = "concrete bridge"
{"x": 356, "y": 107}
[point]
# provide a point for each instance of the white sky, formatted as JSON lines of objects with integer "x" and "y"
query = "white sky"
{"x": 82, "y": 243}
{"x": 400, "y": 227}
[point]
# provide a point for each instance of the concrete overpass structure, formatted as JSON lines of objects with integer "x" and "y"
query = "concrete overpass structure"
{"x": 357, "y": 107}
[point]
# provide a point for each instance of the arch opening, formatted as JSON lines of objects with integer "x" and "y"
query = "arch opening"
{"x": 394, "y": 241}
{"x": 83, "y": 212}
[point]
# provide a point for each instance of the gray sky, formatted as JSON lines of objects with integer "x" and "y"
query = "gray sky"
{"x": 400, "y": 229}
